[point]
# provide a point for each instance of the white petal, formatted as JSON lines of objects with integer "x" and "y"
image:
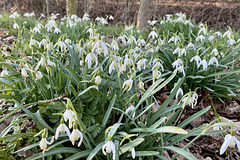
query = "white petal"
{"x": 57, "y": 133}
{"x": 81, "y": 138}
{"x": 133, "y": 153}
{"x": 67, "y": 130}
{"x": 225, "y": 144}
{"x": 103, "y": 148}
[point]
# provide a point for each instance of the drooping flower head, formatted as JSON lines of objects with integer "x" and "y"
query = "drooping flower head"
{"x": 230, "y": 141}
{"x": 62, "y": 128}
{"x": 75, "y": 135}
{"x": 69, "y": 114}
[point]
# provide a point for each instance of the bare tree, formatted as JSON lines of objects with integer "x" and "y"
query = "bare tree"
{"x": 71, "y": 7}
{"x": 145, "y": 13}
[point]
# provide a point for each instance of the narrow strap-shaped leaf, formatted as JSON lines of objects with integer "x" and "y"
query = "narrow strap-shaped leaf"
{"x": 130, "y": 145}
{"x": 79, "y": 155}
{"x": 196, "y": 115}
{"x": 107, "y": 114}
{"x": 181, "y": 152}
{"x": 53, "y": 152}
{"x": 95, "y": 151}
{"x": 166, "y": 102}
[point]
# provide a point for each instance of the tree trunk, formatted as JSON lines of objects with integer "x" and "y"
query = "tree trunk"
{"x": 145, "y": 13}
{"x": 71, "y": 7}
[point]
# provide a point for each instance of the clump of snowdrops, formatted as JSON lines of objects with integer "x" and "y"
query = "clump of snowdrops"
{"x": 92, "y": 96}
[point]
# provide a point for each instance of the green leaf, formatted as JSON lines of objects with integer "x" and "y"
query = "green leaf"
{"x": 160, "y": 121}
{"x": 159, "y": 112}
{"x": 36, "y": 117}
{"x": 79, "y": 155}
{"x": 146, "y": 153}
{"x": 145, "y": 130}
{"x": 181, "y": 152}
{"x": 171, "y": 129}
{"x": 53, "y": 152}
{"x": 193, "y": 117}
{"x": 107, "y": 114}
{"x": 114, "y": 129}
{"x": 223, "y": 73}
{"x": 95, "y": 151}
{"x": 130, "y": 145}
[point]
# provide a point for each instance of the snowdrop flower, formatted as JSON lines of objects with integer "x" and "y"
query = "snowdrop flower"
{"x": 4, "y": 73}
{"x": 204, "y": 64}
{"x": 36, "y": 30}
{"x": 211, "y": 38}
{"x": 24, "y": 72}
{"x": 177, "y": 63}
{"x": 190, "y": 45}
{"x": 133, "y": 153}
{"x": 85, "y": 17}
{"x": 200, "y": 38}
{"x": 42, "y": 16}
{"x": 141, "y": 42}
{"x": 197, "y": 59}
{"x": 100, "y": 46}
{"x": 128, "y": 61}
{"x": 153, "y": 34}
{"x": 33, "y": 42}
{"x": 189, "y": 23}
{"x": 14, "y": 15}
{"x": 141, "y": 62}
{"x": 62, "y": 128}
{"x": 75, "y": 135}
{"x": 114, "y": 45}
{"x": 227, "y": 34}
{"x": 98, "y": 80}
{"x": 231, "y": 41}
{"x": 111, "y": 17}
{"x": 229, "y": 141}
{"x": 38, "y": 75}
{"x": 109, "y": 146}
{"x": 43, "y": 144}
{"x": 57, "y": 31}
{"x": 180, "y": 69}
{"x": 215, "y": 52}
{"x": 69, "y": 114}
{"x": 156, "y": 74}
{"x": 127, "y": 84}
{"x": 213, "y": 60}
{"x": 203, "y": 29}
{"x": 15, "y": 26}
{"x": 141, "y": 84}
{"x": 91, "y": 57}
{"x": 112, "y": 66}
{"x": 131, "y": 40}
{"x": 130, "y": 109}
{"x": 179, "y": 91}
{"x": 191, "y": 99}
{"x": 127, "y": 28}
{"x": 174, "y": 39}
{"x": 177, "y": 50}
{"x": 152, "y": 23}
{"x": 158, "y": 65}
{"x": 219, "y": 34}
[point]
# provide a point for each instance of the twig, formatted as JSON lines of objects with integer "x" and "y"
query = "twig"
{"x": 41, "y": 101}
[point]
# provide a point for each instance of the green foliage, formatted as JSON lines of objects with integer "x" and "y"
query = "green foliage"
{"x": 67, "y": 71}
